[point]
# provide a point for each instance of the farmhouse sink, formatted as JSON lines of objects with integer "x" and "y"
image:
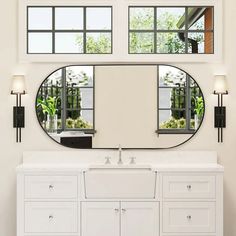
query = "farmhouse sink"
{"x": 121, "y": 182}
{"x": 110, "y": 166}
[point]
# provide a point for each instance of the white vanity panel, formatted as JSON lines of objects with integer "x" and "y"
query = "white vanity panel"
{"x": 100, "y": 218}
{"x": 189, "y": 186}
{"x": 189, "y": 217}
{"x": 51, "y": 187}
{"x": 51, "y": 217}
{"x": 139, "y": 218}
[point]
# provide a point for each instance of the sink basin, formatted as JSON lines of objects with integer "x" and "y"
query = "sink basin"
{"x": 110, "y": 166}
{"x": 120, "y": 182}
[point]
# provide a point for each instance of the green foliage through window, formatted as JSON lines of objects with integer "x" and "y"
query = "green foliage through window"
{"x": 66, "y": 31}
{"x": 170, "y": 30}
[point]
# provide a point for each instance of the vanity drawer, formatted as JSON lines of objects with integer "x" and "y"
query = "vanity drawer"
{"x": 188, "y": 186}
{"x": 189, "y": 217}
{"x": 51, "y": 217}
{"x": 51, "y": 187}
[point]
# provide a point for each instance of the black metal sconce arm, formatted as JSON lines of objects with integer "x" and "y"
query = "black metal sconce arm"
{"x": 220, "y": 116}
{"x": 18, "y": 116}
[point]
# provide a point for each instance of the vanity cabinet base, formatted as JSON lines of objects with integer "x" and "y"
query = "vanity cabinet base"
{"x": 53, "y": 203}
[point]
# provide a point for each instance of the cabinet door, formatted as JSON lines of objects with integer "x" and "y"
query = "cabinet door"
{"x": 139, "y": 219}
{"x": 100, "y": 218}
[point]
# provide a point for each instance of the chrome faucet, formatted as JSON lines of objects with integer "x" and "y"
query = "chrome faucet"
{"x": 120, "y": 162}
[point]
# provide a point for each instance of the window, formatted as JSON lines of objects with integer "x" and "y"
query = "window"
{"x": 70, "y": 92}
{"x": 111, "y": 31}
{"x": 69, "y": 30}
{"x": 181, "y": 103}
{"x": 171, "y": 30}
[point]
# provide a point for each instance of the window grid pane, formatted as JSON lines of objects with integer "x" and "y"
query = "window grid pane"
{"x": 71, "y": 36}
{"x": 79, "y": 97}
{"x": 193, "y": 32}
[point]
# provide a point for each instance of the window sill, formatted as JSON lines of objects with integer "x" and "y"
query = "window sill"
{"x": 117, "y": 58}
{"x": 175, "y": 131}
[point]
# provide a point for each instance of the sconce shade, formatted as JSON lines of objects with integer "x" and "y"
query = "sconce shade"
{"x": 220, "y": 84}
{"x": 18, "y": 84}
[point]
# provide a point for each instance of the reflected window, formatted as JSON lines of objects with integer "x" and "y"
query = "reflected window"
{"x": 65, "y": 100}
{"x": 171, "y": 30}
{"x": 181, "y": 102}
{"x": 69, "y": 30}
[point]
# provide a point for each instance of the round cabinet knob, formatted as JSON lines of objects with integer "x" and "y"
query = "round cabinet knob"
{"x": 50, "y": 217}
{"x": 189, "y": 217}
{"x": 189, "y": 187}
{"x": 116, "y": 210}
{"x": 50, "y": 186}
{"x": 123, "y": 210}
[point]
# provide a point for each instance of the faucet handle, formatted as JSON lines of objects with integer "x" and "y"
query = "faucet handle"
{"x": 132, "y": 160}
{"x": 108, "y": 160}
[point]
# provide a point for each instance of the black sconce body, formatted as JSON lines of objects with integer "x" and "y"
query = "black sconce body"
{"x": 220, "y": 116}
{"x": 19, "y": 117}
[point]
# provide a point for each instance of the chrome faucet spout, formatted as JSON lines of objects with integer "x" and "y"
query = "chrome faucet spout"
{"x": 120, "y": 162}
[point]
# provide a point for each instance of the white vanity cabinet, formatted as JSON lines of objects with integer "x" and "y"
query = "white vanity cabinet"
{"x": 60, "y": 200}
{"x": 120, "y": 218}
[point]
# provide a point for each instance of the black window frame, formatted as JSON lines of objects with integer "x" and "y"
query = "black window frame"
{"x": 185, "y": 30}
{"x": 84, "y": 31}
{"x": 188, "y": 106}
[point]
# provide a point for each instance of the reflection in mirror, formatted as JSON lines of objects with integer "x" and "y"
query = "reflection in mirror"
{"x": 65, "y": 102}
{"x": 137, "y": 106}
{"x": 181, "y": 105}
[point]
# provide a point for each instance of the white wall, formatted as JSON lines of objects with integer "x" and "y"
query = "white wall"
{"x": 126, "y": 108}
{"x": 35, "y": 139}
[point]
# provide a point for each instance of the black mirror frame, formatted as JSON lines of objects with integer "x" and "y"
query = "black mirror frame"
{"x": 130, "y": 64}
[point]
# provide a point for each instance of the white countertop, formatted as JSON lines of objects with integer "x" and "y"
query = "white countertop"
{"x": 160, "y": 161}
{"x": 85, "y": 167}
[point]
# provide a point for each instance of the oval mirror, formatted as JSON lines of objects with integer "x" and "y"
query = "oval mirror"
{"x": 136, "y": 106}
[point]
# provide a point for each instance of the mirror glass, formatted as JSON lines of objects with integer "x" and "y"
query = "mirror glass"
{"x": 136, "y": 106}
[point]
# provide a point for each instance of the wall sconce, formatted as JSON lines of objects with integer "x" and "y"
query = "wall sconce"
{"x": 18, "y": 88}
{"x": 220, "y": 89}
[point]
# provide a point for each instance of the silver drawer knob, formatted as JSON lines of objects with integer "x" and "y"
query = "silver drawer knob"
{"x": 189, "y": 217}
{"x": 50, "y": 217}
{"x": 189, "y": 187}
{"x": 116, "y": 210}
{"x": 50, "y": 186}
{"x": 123, "y": 210}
